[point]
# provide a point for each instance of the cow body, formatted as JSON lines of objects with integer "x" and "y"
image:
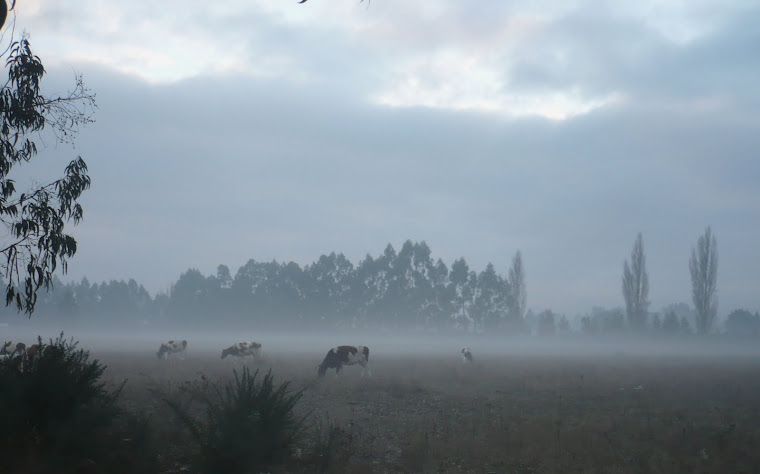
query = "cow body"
{"x": 12, "y": 348}
{"x": 339, "y": 356}
{"x": 15, "y": 351}
{"x": 35, "y": 349}
{"x": 172, "y": 348}
{"x": 243, "y": 349}
{"x": 466, "y": 355}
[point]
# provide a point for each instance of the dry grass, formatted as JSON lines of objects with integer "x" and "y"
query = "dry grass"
{"x": 509, "y": 414}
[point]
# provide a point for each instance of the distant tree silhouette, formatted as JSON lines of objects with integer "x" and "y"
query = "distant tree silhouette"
{"x": 546, "y": 323}
{"x": 636, "y": 286}
{"x": 462, "y": 283}
{"x": 703, "y": 267}
{"x": 489, "y": 302}
{"x": 741, "y": 322}
{"x": 397, "y": 290}
{"x": 670, "y": 324}
{"x": 517, "y": 293}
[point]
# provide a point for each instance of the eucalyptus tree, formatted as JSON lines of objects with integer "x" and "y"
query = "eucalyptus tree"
{"x": 489, "y": 302}
{"x": 36, "y": 242}
{"x": 327, "y": 286}
{"x": 440, "y": 307}
{"x": 463, "y": 282}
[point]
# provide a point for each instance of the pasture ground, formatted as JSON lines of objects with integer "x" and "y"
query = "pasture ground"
{"x": 606, "y": 413}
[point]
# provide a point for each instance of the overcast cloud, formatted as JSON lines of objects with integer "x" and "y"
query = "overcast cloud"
{"x": 271, "y": 130}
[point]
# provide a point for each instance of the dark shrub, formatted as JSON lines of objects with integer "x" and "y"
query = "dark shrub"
{"x": 249, "y": 425}
{"x": 56, "y": 414}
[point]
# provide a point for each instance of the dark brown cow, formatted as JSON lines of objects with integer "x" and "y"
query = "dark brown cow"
{"x": 339, "y": 356}
{"x": 33, "y": 350}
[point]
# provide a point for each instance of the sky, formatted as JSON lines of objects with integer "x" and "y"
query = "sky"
{"x": 266, "y": 129}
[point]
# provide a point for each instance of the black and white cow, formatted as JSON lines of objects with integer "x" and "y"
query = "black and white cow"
{"x": 339, "y": 356}
{"x": 466, "y": 355}
{"x": 244, "y": 349}
{"x": 12, "y": 348}
{"x": 172, "y": 347}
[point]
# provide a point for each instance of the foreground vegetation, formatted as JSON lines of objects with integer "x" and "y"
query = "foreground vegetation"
{"x": 418, "y": 413}
{"x": 615, "y": 413}
{"x": 58, "y": 415}
{"x": 249, "y": 424}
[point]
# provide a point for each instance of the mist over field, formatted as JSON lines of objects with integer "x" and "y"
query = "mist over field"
{"x": 209, "y": 342}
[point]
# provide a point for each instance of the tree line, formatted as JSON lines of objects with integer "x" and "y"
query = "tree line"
{"x": 396, "y": 290}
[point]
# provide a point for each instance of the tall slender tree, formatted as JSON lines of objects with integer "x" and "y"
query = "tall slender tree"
{"x": 518, "y": 295}
{"x": 462, "y": 286}
{"x": 636, "y": 286}
{"x": 703, "y": 266}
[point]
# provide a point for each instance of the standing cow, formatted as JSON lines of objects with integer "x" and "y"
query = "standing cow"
{"x": 12, "y": 348}
{"x": 339, "y": 356}
{"x": 243, "y": 349}
{"x": 466, "y": 356}
{"x": 172, "y": 347}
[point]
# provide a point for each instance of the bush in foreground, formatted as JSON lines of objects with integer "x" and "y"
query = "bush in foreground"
{"x": 249, "y": 425}
{"x": 58, "y": 416}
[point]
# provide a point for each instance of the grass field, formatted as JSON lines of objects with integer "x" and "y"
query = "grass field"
{"x": 606, "y": 413}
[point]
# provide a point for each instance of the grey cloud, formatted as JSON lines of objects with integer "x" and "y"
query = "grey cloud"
{"x": 218, "y": 171}
{"x": 601, "y": 53}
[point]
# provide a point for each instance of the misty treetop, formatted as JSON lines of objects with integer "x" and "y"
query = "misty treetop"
{"x": 396, "y": 289}
{"x": 404, "y": 289}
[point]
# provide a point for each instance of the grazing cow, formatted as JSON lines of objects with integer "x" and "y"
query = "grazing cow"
{"x": 35, "y": 349}
{"x": 466, "y": 355}
{"x": 11, "y": 348}
{"x": 14, "y": 351}
{"x": 243, "y": 350}
{"x": 339, "y": 356}
{"x": 34, "y": 354}
{"x": 6, "y": 357}
{"x": 42, "y": 350}
{"x": 172, "y": 347}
